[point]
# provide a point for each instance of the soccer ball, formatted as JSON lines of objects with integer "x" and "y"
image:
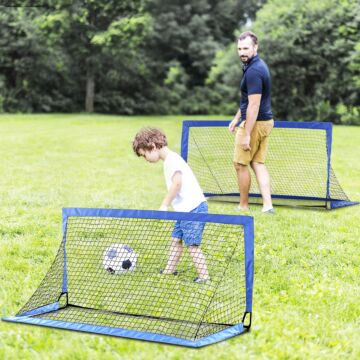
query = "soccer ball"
{"x": 119, "y": 259}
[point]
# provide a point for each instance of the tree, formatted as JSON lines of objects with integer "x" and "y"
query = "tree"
{"x": 88, "y": 31}
{"x": 26, "y": 63}
{"x": 190, "y": 32}
{"x": 308, "y": 52}
{"x": 312, "y": 50}
{"x": 140, "y": 56}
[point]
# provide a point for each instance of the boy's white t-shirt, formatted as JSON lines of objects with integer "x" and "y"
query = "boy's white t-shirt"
{"x": 190, "y": 195}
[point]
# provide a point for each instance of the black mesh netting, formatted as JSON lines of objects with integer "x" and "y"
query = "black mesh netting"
{"x": 113, "y": 278}
{"x": 297, "y": 161}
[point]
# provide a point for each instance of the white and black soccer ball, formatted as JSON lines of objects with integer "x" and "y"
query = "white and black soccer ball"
{"x": 119, "y": 259}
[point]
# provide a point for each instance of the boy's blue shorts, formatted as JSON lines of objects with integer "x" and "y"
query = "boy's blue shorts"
{"x": 190, "y": 231}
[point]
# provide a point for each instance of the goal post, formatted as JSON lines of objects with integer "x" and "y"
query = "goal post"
{"x": 298, "y": 160}
{"x": 137, "y": 301}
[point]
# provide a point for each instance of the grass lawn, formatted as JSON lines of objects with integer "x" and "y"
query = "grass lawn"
{"x": 307, "y": 280}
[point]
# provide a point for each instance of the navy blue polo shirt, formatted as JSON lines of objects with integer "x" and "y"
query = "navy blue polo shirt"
{"x": 256, "y": 80}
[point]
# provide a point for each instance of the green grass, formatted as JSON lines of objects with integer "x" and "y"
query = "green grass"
{"x": 307, "y": 288}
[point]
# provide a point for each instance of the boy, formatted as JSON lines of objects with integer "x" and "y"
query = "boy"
{"x": 184, "y": 194}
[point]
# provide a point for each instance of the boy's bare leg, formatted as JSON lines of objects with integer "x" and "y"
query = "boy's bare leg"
{"x": 244, "y": 182}
{"x": 199, "y": 262}
{"x": 176, "y": 250}
{"x": 263, "y": 180}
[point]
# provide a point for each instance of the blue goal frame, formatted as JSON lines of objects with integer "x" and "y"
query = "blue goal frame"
{"x": 327, "y": 126}
{"x": 247, "y": 222}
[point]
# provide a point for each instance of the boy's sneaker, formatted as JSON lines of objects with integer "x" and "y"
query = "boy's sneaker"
{"x": 173, "y": 273}
{"x": 201, "y": 281}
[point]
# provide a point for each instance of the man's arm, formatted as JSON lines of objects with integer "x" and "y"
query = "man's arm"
{"x": 173, "y": 191}
{"x": 235, "y": 121}
{"x": 252, "y": 112}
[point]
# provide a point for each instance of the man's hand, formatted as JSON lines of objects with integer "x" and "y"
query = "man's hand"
{"x": 235, "y": 121}
{"x": 163, "y": 208}
{"x": 245, "y": 143}
{"x": 233, "y": 125}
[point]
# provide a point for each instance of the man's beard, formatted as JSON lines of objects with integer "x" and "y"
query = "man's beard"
{"x": 245, "y": 59}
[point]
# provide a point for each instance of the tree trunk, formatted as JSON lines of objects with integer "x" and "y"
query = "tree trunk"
{"x": 90, "y": 87}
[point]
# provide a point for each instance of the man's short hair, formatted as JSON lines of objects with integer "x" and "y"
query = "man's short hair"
{"x": 146, "y": 138}
{"x": 250, "y": 34}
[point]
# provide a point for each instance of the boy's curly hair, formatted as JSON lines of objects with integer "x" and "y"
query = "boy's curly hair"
{"x": 146, "y": 138}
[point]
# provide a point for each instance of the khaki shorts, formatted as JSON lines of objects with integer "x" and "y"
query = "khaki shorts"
{"x": 259, "y": 140}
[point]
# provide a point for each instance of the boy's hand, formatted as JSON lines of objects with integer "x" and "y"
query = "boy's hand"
{"x": 175, "y": 187}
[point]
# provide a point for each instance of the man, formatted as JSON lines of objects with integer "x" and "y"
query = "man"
{"x": 256, "y": 118}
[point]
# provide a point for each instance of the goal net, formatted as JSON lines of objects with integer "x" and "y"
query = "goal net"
{"x": 106, "y": 278}
{"x": 298, "y": 161}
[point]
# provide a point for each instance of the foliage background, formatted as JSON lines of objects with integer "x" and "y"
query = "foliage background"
{"x": 178, "y": 57}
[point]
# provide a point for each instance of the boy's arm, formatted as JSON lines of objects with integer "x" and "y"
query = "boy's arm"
{"x": 173, "y": 191}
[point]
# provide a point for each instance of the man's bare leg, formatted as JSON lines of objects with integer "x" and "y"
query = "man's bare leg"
{"x": 176, "y": 250}
{"x": 263, "y": 180}
{"x": 244, "y": 182}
